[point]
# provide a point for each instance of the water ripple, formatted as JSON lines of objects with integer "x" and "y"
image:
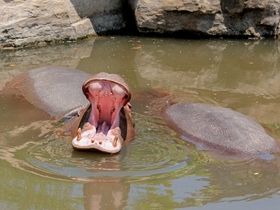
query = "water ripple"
{"x": 154, "y": 153}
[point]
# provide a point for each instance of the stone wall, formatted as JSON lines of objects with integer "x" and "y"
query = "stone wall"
{"x": 43, "y": 21}
{"x": 46, "y": 21}
{"x": 245, "y": 18}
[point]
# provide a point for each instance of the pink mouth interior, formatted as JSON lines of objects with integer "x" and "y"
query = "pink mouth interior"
{"x": 101, "y": 131}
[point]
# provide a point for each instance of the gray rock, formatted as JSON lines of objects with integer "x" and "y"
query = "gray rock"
{"x": 258, "y": 18}
{"x": 38, "y": 22}
{"x": 31, "y": 22}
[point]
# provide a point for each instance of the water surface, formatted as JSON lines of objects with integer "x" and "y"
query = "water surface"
{"x": 158, "y": 169}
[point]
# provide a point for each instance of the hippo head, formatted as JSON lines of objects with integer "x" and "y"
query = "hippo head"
{"x": 106, "y": 122}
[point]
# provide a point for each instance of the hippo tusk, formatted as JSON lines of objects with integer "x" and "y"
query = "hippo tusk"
{"x": 79, "y": 134}
{"x": 115, "y": 140}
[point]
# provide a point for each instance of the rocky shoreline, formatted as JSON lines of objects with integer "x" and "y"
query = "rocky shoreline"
{"x": 42, "y": 22}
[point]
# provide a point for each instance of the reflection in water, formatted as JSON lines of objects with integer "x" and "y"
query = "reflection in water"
{"x": 106, "y": 178}
{"x": 110, "y": 194}
{"x": 158, "y": 169}
{"x": 229, "y": 71}
{"x": 14, "y": 62}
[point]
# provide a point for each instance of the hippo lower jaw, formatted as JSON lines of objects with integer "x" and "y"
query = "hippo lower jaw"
{"x": 99, "y": 128}
{"x": 102, "y": 138}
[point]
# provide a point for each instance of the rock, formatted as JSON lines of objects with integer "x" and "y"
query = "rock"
{"x": 36, "y": 21}
{"x": 106, "y": 15}
{"x": 258, "y": 18}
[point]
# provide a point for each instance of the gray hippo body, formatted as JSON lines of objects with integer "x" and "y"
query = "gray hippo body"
{"x": 97, "y": 105}
{"x": 56, "y": 90}
{"x": 220, "y": 129}
{"x": 105, "y": 120}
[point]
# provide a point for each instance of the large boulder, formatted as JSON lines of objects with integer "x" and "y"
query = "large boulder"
{"x": 251, "y": 18}
{"x": 42, "y": 21}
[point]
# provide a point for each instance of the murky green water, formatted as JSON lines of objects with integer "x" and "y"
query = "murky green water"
{"x": 157, "y": 170}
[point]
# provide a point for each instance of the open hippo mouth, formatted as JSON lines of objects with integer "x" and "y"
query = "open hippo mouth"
{"x": 99, "y": 127}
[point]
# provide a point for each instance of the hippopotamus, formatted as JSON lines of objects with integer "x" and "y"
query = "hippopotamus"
{"x": 97, "y": 106}
{"x": 100, "y": 113}
{"x": 221, "y": 129}
{"x": 106, "y": 121}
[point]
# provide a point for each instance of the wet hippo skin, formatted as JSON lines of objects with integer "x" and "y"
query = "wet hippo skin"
{"x": 220, "y": 129}
{"x": 103, "y": 120}
{"x": 56, "y": 90}
{"x": 99, "y": 104}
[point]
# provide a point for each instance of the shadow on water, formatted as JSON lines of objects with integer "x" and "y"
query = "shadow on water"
{"x": 158, "y": 169}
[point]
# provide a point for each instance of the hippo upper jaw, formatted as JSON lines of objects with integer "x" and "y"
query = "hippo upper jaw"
{"x": 99, "y": 127}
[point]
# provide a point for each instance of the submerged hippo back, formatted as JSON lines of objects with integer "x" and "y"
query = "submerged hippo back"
{"x": 219, "y": 128}
{"x": 56, "y": 90}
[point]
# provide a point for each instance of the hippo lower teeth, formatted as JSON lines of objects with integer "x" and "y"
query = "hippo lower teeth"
{"x": 114, "y": 143}
{"x": 79, "y": 135}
